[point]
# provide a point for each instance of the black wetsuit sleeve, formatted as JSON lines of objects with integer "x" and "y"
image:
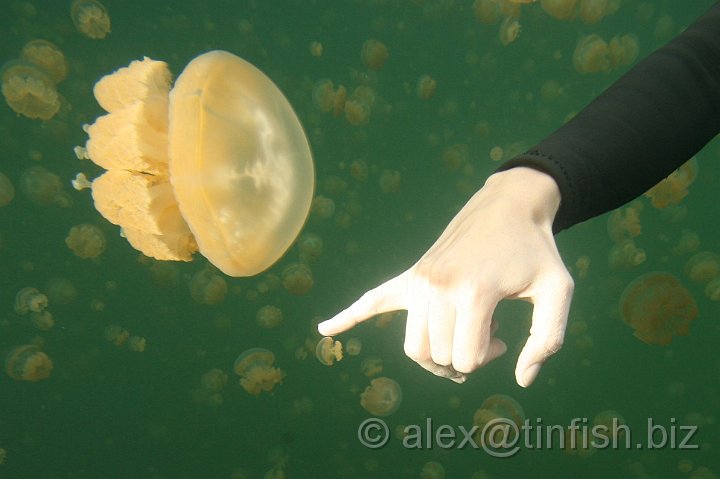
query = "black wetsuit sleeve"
{"x": 644, "y": 126}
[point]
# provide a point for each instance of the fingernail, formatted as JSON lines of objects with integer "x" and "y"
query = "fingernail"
{"x": 530, "y": 374}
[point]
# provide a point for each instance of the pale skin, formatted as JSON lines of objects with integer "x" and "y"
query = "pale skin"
{"x": 499, "y": 246}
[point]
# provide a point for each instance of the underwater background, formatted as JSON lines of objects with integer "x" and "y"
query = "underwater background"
{"x": 396, "y": 176}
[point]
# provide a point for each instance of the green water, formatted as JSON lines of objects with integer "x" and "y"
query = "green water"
{"x": 107, "y": 411}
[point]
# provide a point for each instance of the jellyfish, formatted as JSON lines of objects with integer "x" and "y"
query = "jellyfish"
{"x": 623, "y": 50}
{"x": 703, "y": 267}
{"x": 323, "y": 95}
{"x": 323, "y": 207}
{"x": 310, "y": 247}
{"x": 137, "y": 344}
{"x": 382, "y": 397}
{"x": 353, "y": 346}
{"x": 432, "y": 470}
{"x": 371, "y": 366}
{"x": 626, "y": 255}
{"x": 359, "y": 170}
{"x": 43, "y": 187}
{"x": 7, "y": 190}
{"x": 374, "y": 54}
{"x": 712, "y": 289}
{"x": 256, "y": 371}
{"x": 454, "y": 157}
{"x": 297, "y": 279}
{"x": 487, "y": 11}
{"x": 269, "y": 317}
{"x": 426, "y": 87}
{"x": 559, "y": 9}
{"x": 47, "y": 56}
{"x": 29, "y": 299}
{"x": 689, "y": 242}
{"x": 657, "y": 306}
{"x": 214, "y": 380}
{"x": 592, "y": 11}
{"x": 116, "y": 334}
{"x": 208, "y": 287}
{"x": 673, "y": 189}
{"x": 497, "y": 408}
{"x": 591, "y": 55}
{"x": 90, "y": 18}
{"x": 220, "y": 164}
{"x": 509, "y": 30}
{"x": 624, "y": 223}
{"x": 496, "y": 153}
{"x": 28, "y": 90}
{"x": 609, "y": 425}
{"x": 42, "y": 320}
{"x": 28, "y": 363}
{"x": 389, "y": 181}
{"x": 60, "y": 290}
{"x": 86, "y": 241}
{"x": 328, "y": 351}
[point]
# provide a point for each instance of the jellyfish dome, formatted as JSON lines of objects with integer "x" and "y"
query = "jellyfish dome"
{"x": 219, "y": 164}
{"x": 382, "y": 397}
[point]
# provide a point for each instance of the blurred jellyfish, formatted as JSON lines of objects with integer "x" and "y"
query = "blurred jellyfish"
{"x": 90, "y": 18}
{"x": 559, "y": 9}
{"x": 86, "y": 241}
{"x": 496, "y": 409}
{"x": 42, "y": 320}
{"x": 353, "y": 346}
{"x": 310, "y": 247}
{"x": 454, "y": 157}
{"x": 371, "y": 366}
{"x": 323, "y": 95}
{"x": 374, "y": 54}
{"x": 626, "y": 255}
{"x": 214, "y": 380}
{"x": 207, "y": 286}
{"x": 47, "y": 56}
{"x": 689, "y": 242}
{"x": 269, "y": 317}
{"x": 426, "y": 87}
{"x": 29, "y": 299}
{"x": 359, "y": 170}
{"x": 673, "y": 189}
{"x": 623, "y": 50}
{"x": 624, "y": 223}
{"x": 583, "y": 266}
{"x": 137, "y": 344}
{"x": 7, "y": 190}
{"x": 358, "y": 106}
{"x": 44, "y": 187}
{"x": 382, "y": 397}
{"x": 28, "y": 90}
{"x": 509, "y": 30}
{"x": 116, "y": 334}
{"x": 592, "y": 11}
{"x": 609, "y": 427}
{"x": 657, "y": 306}
{"x": 256, "y": 371}
{"x": 297, "y": 279}
{"x": 389, "y": 181}
{"x": 60, "y": 290}
{"x": 487, "y": 11}
{"x": 591, "y": 55}
{"x": 432, "y": 470}
{"x": 703, "y": 267}
{"x": 316, "y": 48}
{"x": 323, "y": 207}
{"x": 28, "y": 363}
{"x": 328, "y": 351}
{"x": 712, "y": 289}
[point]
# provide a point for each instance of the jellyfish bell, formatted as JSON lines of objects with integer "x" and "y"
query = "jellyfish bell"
{"x": 256, "y": 371}
{"x": 382, "y": 397}
{"x": 220, "y": 164}
{"x": 328, "y": 351}
{"x": 497, "y": 408}
{"x": 47, "y": 56}
{"x": 28, "y": 90}
{"x": 28, "y": 363}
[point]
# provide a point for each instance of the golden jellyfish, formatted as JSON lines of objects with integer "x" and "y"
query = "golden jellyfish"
{"x": 712, "y": 289}
{"x": 509, "y": 30}
{"x": 487, "y": 11}
{"x": 592, "y": 11}
{"x": 61, "y": 290}
{"x": 624, "y": 223}
{"x": 353, "y": 346}
{"x": 256, "y": 371}
{"x": 358, "y": 106}
{"x": 389, "y": 181}
{"x": 218, "y": 164}
{"x": 86, "y": 241}
{"x": 269, "y": 317}
{"x": 432, "y": 470}
{"x": 7, "y": 190}
{"x": 673, "y": 189}
{"x": 90, "y": 18}
{"x": 42, "y": 320}
{"x": 29, "y": 299}
{"x": 498, "y": 408}
{"x": 456, "y": 156}
{"x": 591, "y": 55}
{"x": 359, "y": 170}
{"x": 371, "y": 366}
{"x": 47, "y": 56}
{"x": 609, "y": 427}
{"x": 426, "y": 87}
{"x": 323, "y": 95}
{"x": 214, "y": 380}
{"x": 137, "y": 344}
{"x": 43, "y": 187}
{"x": 297, "y": 279}
{"x": 559, "y": 9}
{"x": 28, "y": 363}
{"x": 624, "y": 50}
{"x": 323, "y": 207}
{"x": 310, "y": 247}
{"x": 374, "y": 54}
{"x": 116, "y": 334}
{"x": 496, "y": 153}
{"x": 28, "y": 90}
{"x": 328, "y": 351}
{"x": 316, "y": 48}
{"x": 657, "y": 306}
{"x": 689, "y": 242}
{"x": 208, "y": 287}
{"x": 382, "y": 397}
{"x": 703, "y": 267}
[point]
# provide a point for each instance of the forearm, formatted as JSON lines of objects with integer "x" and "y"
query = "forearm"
{"x": 639, "y": 130}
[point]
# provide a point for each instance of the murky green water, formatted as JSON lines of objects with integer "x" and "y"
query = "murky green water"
{"x": 107, "y": 411}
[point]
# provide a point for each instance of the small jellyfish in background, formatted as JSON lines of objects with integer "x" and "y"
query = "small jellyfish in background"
{"x": 42, "y": 320}
{"x": 211, "y": 384}
{"x": 297, "y": 279}
{"x": 324, "y": 95}
{"x": 712, "y": 289}
{"x": 47, "y": 56}
{"x": 703, "y": 267}
{"x": 456, "y": 156}
{"x": 389, "y": 181}
{"x": 592, "y": 11}
{"x": 359, "y": 170}
{"x": 44, "y": 188}
{"x": 509, "y": 30}
{"x": 559, "y": 9}
{"x": 382, "y": 397}
{"x": 674, "y": 188}
{"x": 689, "y": 242}
{"x": 207, "y": 286}
{"x": 623, "y": 50}
{"x": 626, "y": 255}
{"x": 60, "y": 290}
{"x": 7, "y": 190}
{"x": 86, "y": 241}
{"x": 358, "y": 107}
{"x": 28, "y": 90}
{"x": 90, "y": 18}
{"x": 592, "y": 55}
{"x": 609, "y": 425}
{"x": 29, "y": 299}
{"x": 328, "y": 351}
{"x": 353, "y": 346}
{"x": 310, "y": 247}
{"x": 116, "y": 334}
{"x": 28, "y": 363}
{"x": 657, "y": 306}
{"x": 432, "y": 470}
{"x": 256, "y": 371}
{"x": 137, "y": 344}
{"x": 374, "y": 54}
{"x": 269, "y": 317}
{"x": 426, "y": 87}
{"x": 497, "y": 408}
{"x": 624, "y": 223}
{"x": 323, "y": 207}
{"x": 371, "y": 366}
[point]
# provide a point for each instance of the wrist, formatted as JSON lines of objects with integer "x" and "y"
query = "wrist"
{"x": 529, "y": 189}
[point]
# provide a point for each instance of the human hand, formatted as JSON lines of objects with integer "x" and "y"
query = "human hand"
{"x": 500, "y": 245}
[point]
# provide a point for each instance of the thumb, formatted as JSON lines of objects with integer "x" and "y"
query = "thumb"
{"x": 549, "y": 319}
{"x": 389, "y": 296}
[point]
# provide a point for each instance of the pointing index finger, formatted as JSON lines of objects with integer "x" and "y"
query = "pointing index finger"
{"x": 389, "y": 296}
